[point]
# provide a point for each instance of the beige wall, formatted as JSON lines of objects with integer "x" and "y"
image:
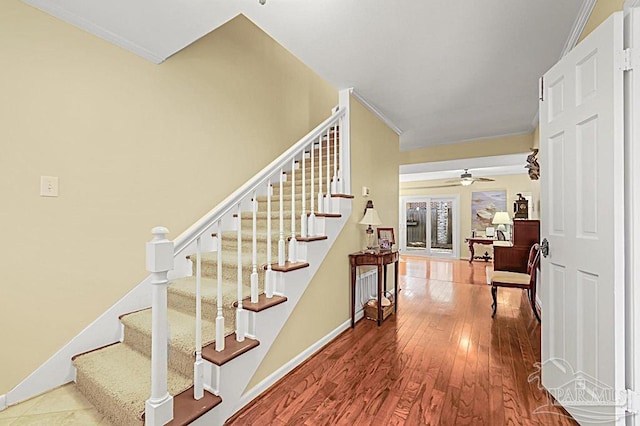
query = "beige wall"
{"x": 135, "y": 145}
{"x": 601, "y": 11}
{"x": 513, "y": 184}
{"x": 472, "y": 149}
{"x": 325, "y": 304}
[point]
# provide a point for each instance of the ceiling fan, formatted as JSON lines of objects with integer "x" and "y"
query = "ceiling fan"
{"x": 465, "y": 179}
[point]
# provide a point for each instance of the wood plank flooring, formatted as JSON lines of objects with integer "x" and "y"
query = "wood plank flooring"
{"x": 442, "y": 360}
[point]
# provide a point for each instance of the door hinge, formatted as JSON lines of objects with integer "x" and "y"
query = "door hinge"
{"x": 541, "y": 88}
{"x": 633, "y": 401}
{"x": 627, "y": 59}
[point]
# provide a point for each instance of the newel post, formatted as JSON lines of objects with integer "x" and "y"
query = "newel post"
{"x": 159, "y": 407}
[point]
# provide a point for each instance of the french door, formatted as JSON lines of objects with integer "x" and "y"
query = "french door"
{"x": 430, "y": 226}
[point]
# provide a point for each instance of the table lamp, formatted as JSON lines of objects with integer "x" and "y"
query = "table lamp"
{"x": 501, "y": 219}
{"x": 370, "y": 218}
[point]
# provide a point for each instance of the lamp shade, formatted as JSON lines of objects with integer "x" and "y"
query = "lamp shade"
{"x": 501, "y": 218}
{"x": 371, "y": 217}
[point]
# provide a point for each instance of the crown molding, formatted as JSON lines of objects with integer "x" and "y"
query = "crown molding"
{"x": 82, "y": 23}
{"x": 375, "y": 111}
{"x": 578, "y": 26}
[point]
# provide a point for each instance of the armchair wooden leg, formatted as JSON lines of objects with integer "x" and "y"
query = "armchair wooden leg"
{"x": 494, "y": 295}
{"x": 532, "y": 297}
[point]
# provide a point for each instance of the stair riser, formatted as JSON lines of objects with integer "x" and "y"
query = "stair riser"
{"x": 247, "y": 248}
{"x": 316, "y": 178}
{"x": 286, "y": 207}
{"x": 99, "y": 398}
{"x": 187, "y": 305}
{"x": 230, "y": 272}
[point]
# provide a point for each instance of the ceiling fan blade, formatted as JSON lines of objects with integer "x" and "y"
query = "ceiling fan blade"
{"x": 482, "y": 179}
{"x": 452, "y": 181}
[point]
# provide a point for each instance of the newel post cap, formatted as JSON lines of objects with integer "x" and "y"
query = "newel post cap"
{"x": 159, "y": 251}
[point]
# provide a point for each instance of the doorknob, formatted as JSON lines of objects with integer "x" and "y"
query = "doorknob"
{"x": 545, "y": 247}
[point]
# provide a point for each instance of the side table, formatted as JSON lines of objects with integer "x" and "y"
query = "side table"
{"x": 381, "y": 259}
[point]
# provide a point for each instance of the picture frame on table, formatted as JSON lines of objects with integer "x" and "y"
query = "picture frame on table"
{"x": 385, "y": 244}
{"x": 386, "y": 234}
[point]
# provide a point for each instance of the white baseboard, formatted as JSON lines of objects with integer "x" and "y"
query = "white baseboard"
{"x": 270, "y": 380}
{"x": 3, "y": 402}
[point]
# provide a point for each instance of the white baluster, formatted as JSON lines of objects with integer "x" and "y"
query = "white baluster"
{"x": 340, "y": 159}
{"x": 334, "y": 181}
{"x": 311, "y": 229}
{"x": 219, "y": 316}
{"x": 327, "y": 198}
{"x": 159, "y": 407}
{"x": 320, "y": 194}
{"x": 281, "y": 246}
{"x": 198, "y": 365}
{"x": 269, "y": 282}
{"x": 303, "y": 214}
{"x": 240, "y": 323}
{"x": 254, "y": 259}
{"x": 293, "y": 255}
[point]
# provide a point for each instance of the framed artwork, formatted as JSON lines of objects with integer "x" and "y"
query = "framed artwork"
{"x": 386, "y": 234}
{"x": 384, "y": 244}
{"x": 484, "y": 206}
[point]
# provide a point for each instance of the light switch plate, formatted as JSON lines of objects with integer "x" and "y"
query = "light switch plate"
{"x": 48, "y": 186}
{"x": 365, "y": 191}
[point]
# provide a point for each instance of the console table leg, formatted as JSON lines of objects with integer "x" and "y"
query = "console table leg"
{"x": 353, "y": 296}
{"x": 380, "y": 278}
{"x": 472, "y": 252}
{"x": 395, "y": 285}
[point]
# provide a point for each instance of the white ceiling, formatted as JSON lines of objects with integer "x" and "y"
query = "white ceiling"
{"x": 438, "y": 71}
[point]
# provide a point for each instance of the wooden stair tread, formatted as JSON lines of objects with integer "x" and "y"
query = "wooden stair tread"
{"x": 232, "y": 349}
{"x": 349, "y": 196}
{"x": 186, "y": 409}
{"x": 289, "y": 266}
{"x": 262, "y": 304}
{"x": 309, "y": 239}
{"x": 328, "y": 215}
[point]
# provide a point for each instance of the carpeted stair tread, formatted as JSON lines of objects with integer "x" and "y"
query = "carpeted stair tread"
{"x": 117, "y": 380}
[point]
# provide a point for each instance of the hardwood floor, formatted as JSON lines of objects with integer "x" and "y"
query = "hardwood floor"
{"x": 440, "y": 360}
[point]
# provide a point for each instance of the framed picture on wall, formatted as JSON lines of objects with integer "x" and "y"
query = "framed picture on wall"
{"x": 484, "y": 206}
{"x": 386, "y": 234}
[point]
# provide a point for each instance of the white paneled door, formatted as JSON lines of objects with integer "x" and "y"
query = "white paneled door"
{"x": 582, "y": 188}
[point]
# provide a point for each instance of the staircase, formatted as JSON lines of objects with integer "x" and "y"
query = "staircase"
{"x": 232, "y": 281}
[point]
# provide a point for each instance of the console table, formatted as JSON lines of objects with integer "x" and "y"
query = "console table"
{"x": 479, "y": 240}
{"x": 380, "y": 259}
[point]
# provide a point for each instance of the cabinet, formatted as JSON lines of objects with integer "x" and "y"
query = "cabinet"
{"x": 513, "y": 257}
